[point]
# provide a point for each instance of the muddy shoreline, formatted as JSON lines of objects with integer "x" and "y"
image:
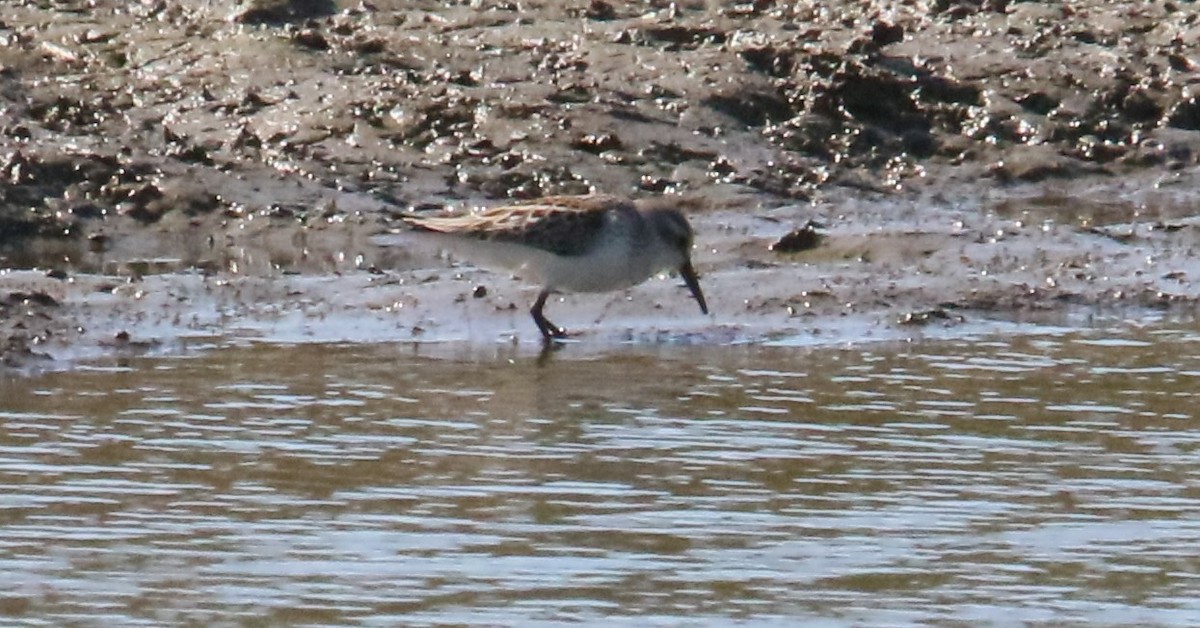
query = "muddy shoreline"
{"x": 175, "y": 176}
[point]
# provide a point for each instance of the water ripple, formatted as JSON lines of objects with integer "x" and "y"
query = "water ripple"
{"x": 1043, "y": 479}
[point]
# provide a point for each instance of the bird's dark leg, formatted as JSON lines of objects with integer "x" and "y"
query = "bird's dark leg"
{"x": 549, "y": 330}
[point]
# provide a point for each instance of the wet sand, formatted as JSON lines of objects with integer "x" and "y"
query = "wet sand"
{"x": 174, "y": 173}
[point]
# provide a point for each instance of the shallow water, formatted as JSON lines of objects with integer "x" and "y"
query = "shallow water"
{"x": 1048, "y": 477}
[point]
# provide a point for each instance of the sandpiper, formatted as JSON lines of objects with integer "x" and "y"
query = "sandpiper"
{"x": 594, "y": 243}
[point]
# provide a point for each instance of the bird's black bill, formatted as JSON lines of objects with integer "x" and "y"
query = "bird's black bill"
{"x": 693, "y": 284}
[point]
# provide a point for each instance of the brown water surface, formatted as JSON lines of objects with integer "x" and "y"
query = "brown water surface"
{"x": 1048, "y": 477}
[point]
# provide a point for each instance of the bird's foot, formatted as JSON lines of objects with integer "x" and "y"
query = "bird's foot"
{"x": 550, "y": 331}
{"x": 553, "y": 333}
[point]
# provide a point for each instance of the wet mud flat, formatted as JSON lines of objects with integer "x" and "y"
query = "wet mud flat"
{"x": 892, "y": 271}
{"x": 172, "y": 171}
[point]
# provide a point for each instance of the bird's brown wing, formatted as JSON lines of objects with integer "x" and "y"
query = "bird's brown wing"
{"x": 558, "y": 229}
{"x": 563, "y": 225}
